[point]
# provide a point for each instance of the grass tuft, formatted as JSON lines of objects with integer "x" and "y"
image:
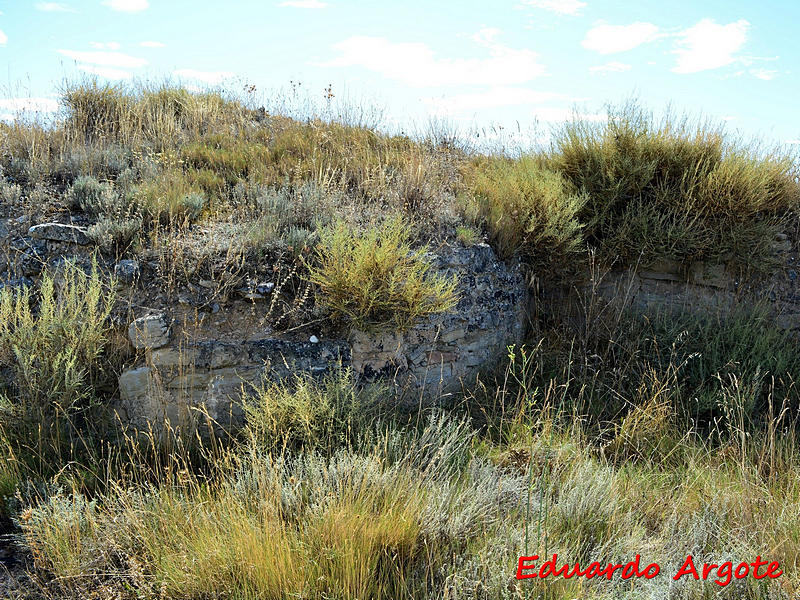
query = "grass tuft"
{"x": 374, "y": 278}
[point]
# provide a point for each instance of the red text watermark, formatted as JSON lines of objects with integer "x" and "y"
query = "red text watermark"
{"x": 722, "y": 574}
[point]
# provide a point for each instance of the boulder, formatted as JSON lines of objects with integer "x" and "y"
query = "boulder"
{"x": 59, "y": 232}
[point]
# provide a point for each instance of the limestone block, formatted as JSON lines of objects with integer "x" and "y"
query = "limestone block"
{"x": 150, "y": 332}
{"x": 710, "y": 274}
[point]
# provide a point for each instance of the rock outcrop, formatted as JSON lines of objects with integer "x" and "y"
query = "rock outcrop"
{"x": 186, "y": 384}
{"x": 435, "y": 356}
{"x": 429, "y": 359}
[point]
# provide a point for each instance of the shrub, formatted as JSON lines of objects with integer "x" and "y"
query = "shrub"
{"x": 115, "y": 235}
{"x": 374, "y": 279}
{"x": 10, "y": 193}
{"x": 53, "y": 352}
{"x": 674, "y": 189}
{"x": 528, "y": 209}
{"x": 90, "y": 196}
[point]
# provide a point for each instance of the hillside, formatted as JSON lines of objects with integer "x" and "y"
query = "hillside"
{"x": 245, "y": 355}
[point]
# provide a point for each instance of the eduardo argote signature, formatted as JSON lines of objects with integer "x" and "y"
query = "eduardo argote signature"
{"x": 722, "y": 574}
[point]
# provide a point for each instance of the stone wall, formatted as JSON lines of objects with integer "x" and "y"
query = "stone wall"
{"x": 426, "y": 361}
{"x": 669, "y": 285}
{"x": 175, "y": 381}
{"x": 436, "y": 355}
{"x": 698, "y": 287}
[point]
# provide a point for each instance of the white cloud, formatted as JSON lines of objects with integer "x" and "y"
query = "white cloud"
{"x": 127, "y": 5}
{"x": 609, "y": 39}
{"x": 3, "y": 38}
{"x": 151, "y": 44}
{"x": 708, "y": 45}
{"x": 765, "y": 74}
{"x": 105, "y": 46}
{"x": 304, "y": 4}
{"x": 485, "y": 36}
{"x": 212, "y": 77}
{"x": 53, "y": 7}
{"x": 41, "y": 105}
{"x": 610, "y": 67}
{"x": 415, "y": 64}
{"x": 106, "y": 59}
{"x": 562, "y": 7}
{"x": 107, "y": 72}
{"x": 492, "y": 98}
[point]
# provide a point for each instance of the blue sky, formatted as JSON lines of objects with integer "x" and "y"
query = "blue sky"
{"x": 471, "y": 63}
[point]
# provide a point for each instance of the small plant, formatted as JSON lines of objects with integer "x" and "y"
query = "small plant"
{"x": 318, "y": 416}
{"x": 374, "y": 278}
{"x": 90, "y": 196}
{"x": 469, "y": 236}
{"x": 10, "y": 193}
{"x": 529, "y": 209}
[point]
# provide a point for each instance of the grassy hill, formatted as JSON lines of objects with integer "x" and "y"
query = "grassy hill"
{"x": 654, "y": 434}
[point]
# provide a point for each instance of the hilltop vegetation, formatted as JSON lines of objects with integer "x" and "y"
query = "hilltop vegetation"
{"x": 654, "y": 434}
{"x": 634, "y": 189}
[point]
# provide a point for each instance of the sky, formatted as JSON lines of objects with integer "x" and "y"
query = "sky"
{"x": 500, "y": 65}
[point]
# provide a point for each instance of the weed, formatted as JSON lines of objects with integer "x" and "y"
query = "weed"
{"x": 529, "y": 210}
{"x": 374, "y": 278}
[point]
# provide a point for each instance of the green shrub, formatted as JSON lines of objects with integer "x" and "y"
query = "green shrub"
{"x": 528, "y": 209}
{"x": 374, "y": 278}
{"x": 53, "y": 350}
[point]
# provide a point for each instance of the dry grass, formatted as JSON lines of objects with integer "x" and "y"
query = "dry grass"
{"x": 658, "y": 436}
